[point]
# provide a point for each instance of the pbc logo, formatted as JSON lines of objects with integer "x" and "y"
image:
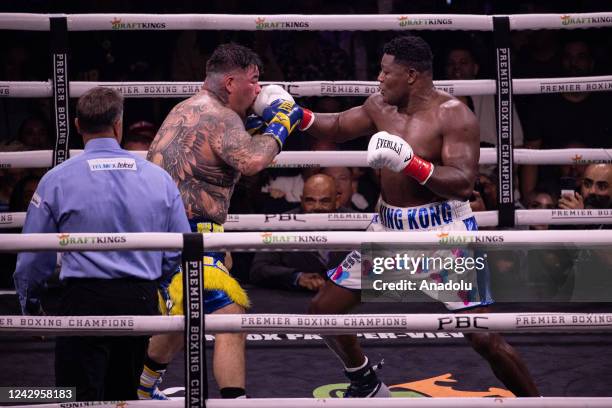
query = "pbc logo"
{"x": 462, "y": 322}
{"x": 283, "y": 217}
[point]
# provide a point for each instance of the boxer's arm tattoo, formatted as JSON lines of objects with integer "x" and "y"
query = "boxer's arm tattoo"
{"x": 247, "y": 154}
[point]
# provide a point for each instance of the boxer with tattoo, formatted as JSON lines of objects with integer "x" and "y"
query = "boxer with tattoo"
{"x": 205, "y": 144}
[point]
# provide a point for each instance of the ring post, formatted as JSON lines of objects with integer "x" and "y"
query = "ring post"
{"x": 505, "y": 134}
{"x": 61, "y": 91}
{"x": 196, "y": 376}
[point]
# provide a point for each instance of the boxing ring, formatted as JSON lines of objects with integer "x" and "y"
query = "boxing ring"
{"x": 504, "y": 86}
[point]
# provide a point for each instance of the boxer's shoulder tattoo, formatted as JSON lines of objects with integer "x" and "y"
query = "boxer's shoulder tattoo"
{"x": 173, "y": 148}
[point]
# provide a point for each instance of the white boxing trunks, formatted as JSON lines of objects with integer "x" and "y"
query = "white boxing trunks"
{"x": 440, "y": 216}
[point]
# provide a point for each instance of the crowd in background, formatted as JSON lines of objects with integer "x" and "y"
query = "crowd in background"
{"x": 541, "y": 121}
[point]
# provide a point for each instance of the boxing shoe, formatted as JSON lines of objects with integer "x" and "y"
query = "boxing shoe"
{"x": 151, "y": 391}
{"x": 366, "y": 384}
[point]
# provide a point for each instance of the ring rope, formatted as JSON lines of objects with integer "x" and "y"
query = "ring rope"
{"x": 301, "y": 22}
{"x": 304, "y": 159}
{"x": 360, "y": 221}
{"x": 303, "y": 241}
{"x": 143, "y": 89}
{"x": 310, "y": 324}
{"x": 450, "y": 402}
{"x": 278, "y": 22}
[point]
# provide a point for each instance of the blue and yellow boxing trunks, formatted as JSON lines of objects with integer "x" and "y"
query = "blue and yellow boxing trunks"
{"x": 220, "y": 288}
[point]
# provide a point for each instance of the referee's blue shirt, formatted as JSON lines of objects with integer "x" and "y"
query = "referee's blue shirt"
{"x": 105, "y": 189}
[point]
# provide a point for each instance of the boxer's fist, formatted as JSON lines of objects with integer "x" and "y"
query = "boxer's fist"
{"x": 283, "y": 116}
{"x": 390, "y": 151}
{"x": 394, "y": 153}
{"x": 253, "y": 124}
{"x": 271, "y": 95}
{"x": 267, "y": 96}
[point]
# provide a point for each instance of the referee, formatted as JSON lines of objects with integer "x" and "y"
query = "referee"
{"x": 104, "y": 190}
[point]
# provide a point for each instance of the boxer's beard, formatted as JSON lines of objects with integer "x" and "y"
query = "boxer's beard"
{"x": 597, "y": 201}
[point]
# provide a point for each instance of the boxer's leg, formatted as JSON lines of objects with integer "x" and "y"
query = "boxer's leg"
{"x": 162, "y": 347}
{"x": 339, "y": 295}
{"x": 504, "y": 360}
{"x": 229, "y": 363}
{"x": 333, "y": 299}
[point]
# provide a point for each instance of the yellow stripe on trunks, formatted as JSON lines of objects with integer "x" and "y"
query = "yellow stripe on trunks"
{"x": 208, "y": 227}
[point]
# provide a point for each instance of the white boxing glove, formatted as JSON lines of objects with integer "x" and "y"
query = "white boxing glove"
{"x": 394, "y": 153}
{"x": 269, "y": 94}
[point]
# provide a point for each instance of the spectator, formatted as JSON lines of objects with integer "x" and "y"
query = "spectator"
{"x": 594, "y": 192}
{"x": 487, "y": 187}
{"x": 591, "y": 277}
{"x": 558, "y": 119}
{"x": 575, "y": 171}
{"x": 189, "y": 57}
{"x": 139, "y": 137}
{"x": 347, "y": 190}
{"x": 285, "y": 190}
{"x": 105, "y": 190}
{"x": 540, "y": 200}
{"x": 20, "y": 197}
{"x": 136, "y": 143}
{"x": 367, "y": 191}
{"x": 549, "y": 271}
{"x": 33, "y": 134}
{"x": 7, "y": 182}
{"x": 461, "y": 64}
{"x": 540, "y": 57}
{"x": 22, "y": 193}
{"x": 301, "y": 270}
{"x": 477, "y": 202}
{"x": 299, "y": 54}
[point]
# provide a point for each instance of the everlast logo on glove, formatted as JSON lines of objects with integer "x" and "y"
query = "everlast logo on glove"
{"x": 388, "y": 144}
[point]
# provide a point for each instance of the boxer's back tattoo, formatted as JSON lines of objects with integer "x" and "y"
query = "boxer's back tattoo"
{"x": 204, "y": 147}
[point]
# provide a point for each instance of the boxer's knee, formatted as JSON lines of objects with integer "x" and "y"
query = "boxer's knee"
{"x": 333, "y": 299}
{"x": 320, "y": 304}
{"x": 163, "y": 347}
{"x": 230, "y": 339}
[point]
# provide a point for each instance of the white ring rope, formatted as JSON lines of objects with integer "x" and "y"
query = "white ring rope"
{"x": 310, "y": 324}
{"x": 91, "y": 22}
{"x": 360, "y": 221}
{"x": 143, "y": 89}
{"x": 451, "y": 402}
{"x": 301, "y": 22}
{"x": 34, "y": 159}
{"x": 302, "y": 241}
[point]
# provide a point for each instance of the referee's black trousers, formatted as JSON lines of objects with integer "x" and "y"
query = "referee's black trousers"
{"x": 105, "y": 368}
